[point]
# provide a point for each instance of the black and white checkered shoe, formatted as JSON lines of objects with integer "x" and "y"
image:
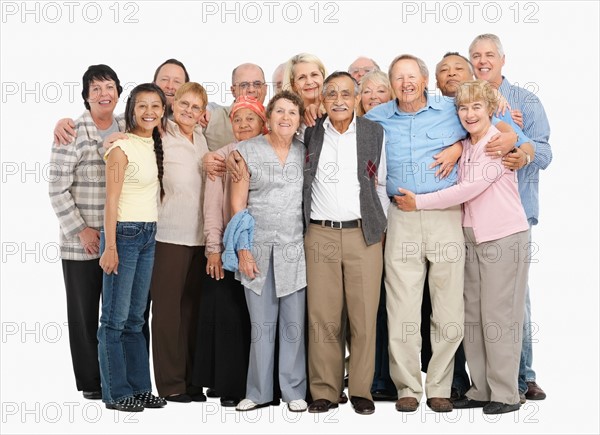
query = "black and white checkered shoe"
{"x": 149, "y": 400}
{"x": 131, "y": 404}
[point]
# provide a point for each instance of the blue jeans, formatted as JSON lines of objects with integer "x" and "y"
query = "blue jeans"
{"x": 124, "y": 366}
{"x": 460, "y": 379}
{"x": 526, "y": 373}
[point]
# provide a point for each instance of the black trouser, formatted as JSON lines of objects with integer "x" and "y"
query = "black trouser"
{"x": 83, "y": 282}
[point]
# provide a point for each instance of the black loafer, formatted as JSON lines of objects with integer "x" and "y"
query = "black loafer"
{"x": 383, "y": 395}
{"x": 179, "y": 398}
{"x": 500, "y": 408}
{"x": 212, "y": 393}
{"x": 198, "y": 397}
{"x": 229, "y": 401}
{"x": 466, "y": 403}
{"x": 92, "y": 395}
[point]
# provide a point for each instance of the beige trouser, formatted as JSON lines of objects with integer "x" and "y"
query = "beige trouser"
{"x": 341, "y": 267}
{"x": 495, "y": 282}
{"x": 418, "y": 241}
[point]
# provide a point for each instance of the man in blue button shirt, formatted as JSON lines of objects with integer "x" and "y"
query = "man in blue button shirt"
{"x": 453, "y": 70}
{"x": 487, "y": 56}
{"x": 418, "y": 127}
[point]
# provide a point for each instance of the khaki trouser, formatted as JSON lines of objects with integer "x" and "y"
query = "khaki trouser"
{"x": 341, "y": 268}
{"x": 495, "y": 282}
{"x": 417, "y": 242}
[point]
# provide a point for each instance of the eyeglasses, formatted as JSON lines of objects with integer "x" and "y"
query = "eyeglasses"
{"x": 364, "y": 69}
{"x": 247, "y": 85}
{"x": 185, "y": 105}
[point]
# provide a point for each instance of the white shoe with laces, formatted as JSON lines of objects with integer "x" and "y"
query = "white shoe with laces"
{"x": 298, "y": 405}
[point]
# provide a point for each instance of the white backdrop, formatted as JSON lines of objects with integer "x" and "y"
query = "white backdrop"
{"x": 551, "y": 47}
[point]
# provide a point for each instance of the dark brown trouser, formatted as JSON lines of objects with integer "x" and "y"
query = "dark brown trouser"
{"x": 175, "y": 291}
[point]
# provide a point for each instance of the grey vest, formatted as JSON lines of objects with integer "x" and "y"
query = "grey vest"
{"x": 369, "y": 138}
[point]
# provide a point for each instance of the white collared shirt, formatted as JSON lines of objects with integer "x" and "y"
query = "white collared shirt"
{"x": 336, "y": 189}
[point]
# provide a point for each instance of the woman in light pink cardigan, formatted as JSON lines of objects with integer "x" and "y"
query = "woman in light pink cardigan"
{"x": 223, "y": 338}
{"x": 496, "y": 266}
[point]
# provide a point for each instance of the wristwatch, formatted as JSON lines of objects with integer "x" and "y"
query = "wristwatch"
{"x": 527, "y": 159}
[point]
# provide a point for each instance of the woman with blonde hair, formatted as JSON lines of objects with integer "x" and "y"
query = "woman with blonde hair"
{"x": 304, "y": 75}
{"x": 496, "y": 235}
{"x": 374, "y": 89}
{"x": 177, "y": 277}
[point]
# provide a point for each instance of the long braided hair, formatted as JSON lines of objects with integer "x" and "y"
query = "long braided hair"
{"x": 131, "y": 124}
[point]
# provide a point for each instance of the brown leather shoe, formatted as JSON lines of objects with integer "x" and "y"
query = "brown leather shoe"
{"x": 440, "y": 404}
{"x": 407, "y": 404}
{"x": 321, "y": 405}
{"x": 534, "y": 392}
{"x": 343, "y": 398}
{"x": 362, "y": 405}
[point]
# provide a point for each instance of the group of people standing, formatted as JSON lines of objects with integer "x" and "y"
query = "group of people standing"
{"x": 341, "y": 208}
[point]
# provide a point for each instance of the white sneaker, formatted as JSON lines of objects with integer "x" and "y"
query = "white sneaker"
{"x": 298, "y": 405}
{"x": 245, "y": 405}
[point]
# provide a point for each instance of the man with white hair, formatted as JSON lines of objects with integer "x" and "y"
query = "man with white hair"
{"x": 361, "y": 66}
{"x": 418, "y": 127}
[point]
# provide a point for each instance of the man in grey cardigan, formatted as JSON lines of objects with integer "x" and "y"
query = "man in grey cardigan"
{"x": 345, "y": 223}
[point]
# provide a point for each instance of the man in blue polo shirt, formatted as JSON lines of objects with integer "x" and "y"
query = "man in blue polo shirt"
{"x": 417, "y": 128}
{"x": 487, "y": 56}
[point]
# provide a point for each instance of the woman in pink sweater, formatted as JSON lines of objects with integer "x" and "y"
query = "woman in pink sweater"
{"x": 223, "y": 338}
{"x": 496, "y": 266}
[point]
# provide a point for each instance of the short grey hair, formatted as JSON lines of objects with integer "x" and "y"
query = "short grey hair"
{"x": 422, "y": 66}
{"x": 489, "y": 37}
{"x": 335, "y": 75}
{"x": 377, "y": 68}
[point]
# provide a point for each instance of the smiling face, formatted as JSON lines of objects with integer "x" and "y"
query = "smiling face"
{"x": 169, "y": 79}
{"x": 450, "y": 73}
{"x": 246, "y": 124}
{"x": 339, "y": 100}
{"x": 102, "y": 97}
{"x": 308, "y": 81}
{"x": 284, "y": 119}
{"x": 409, "y": 85}
{"x": 147, "y": 112}
{"x": 249, "y": 80}
{"x": 475, "y": 118}
{"x": 374, "y": 94}
{"x": 487, "y": 61}
{"x": 188, "y": 110}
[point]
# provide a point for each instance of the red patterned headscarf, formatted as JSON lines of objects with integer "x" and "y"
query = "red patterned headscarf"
{"x": 245, "y": 102}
